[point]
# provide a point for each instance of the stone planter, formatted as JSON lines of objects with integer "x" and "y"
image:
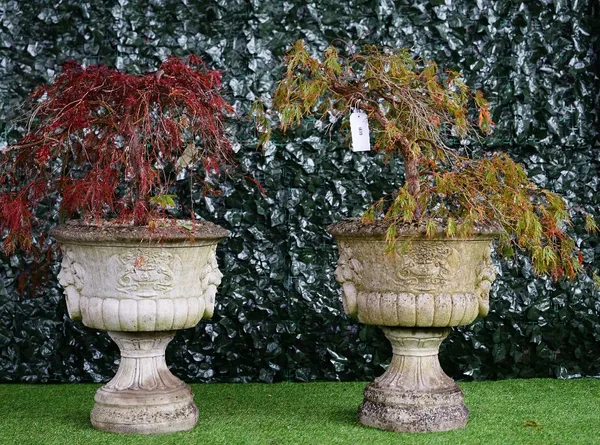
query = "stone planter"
{"x": 141, "y": 287}
{"x": 416, "y": 298}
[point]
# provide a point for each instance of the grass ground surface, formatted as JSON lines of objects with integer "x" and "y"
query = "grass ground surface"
{"x": 537, "y": 411}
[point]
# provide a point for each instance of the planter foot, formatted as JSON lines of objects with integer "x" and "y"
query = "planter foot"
{"x": 414, "y": 394}
{"x": 144, "y": 397}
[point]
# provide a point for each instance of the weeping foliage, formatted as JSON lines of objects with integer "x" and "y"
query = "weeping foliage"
{"x": 111, "y": 143}
{"x": 414, "y": 109}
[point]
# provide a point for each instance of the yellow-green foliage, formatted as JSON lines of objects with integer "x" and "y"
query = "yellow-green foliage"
{"x": 412, "y": 106}
{"x": 408, "y": 100}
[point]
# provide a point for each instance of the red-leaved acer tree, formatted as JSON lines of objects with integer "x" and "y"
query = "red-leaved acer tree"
{"x": 111, "y": 143}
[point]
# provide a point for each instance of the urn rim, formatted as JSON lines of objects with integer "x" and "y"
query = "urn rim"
{"x": 356, "y": 228}
{"x": 169, "y": 231}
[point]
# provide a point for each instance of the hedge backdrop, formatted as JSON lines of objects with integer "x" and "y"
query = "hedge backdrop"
{"x": 279, "y": 316}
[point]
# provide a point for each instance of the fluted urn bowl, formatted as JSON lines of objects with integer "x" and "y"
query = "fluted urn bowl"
{"x": 141, "y": 286}
{"x": 416, "y": 295}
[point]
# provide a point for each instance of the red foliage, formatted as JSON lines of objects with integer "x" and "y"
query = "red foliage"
{"x": 16, "y": 215}
{"x": 96, "y": 128}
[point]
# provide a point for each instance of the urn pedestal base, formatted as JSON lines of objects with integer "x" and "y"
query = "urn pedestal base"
{"x": 414, "y": 394}
{"x": 144, "y": 396}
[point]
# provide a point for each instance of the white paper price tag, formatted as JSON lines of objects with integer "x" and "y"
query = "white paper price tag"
{"x": 359, "y": 126}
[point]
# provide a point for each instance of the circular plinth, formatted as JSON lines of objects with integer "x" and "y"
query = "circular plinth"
{"x": 413, "y": 412}
{"x": 144, "y": 411}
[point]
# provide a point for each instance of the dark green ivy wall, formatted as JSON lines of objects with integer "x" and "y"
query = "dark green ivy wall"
{"x": 279, "y": 316}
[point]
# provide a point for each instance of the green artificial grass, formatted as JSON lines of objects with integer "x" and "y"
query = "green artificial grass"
{"x": 537, "y": 411}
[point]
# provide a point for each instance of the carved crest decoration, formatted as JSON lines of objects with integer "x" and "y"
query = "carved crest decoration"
{"x": 427, "y": 267}
{"x": 146, "y": 272}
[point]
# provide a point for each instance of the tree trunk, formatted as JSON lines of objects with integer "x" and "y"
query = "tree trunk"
{"x": 412, "y": 175}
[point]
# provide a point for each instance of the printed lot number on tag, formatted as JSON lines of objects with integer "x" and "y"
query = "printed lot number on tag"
{"x": 359, "y": 127}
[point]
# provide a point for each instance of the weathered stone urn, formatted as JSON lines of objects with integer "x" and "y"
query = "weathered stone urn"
{"x": 416, "y": 297}
{"x": 140, "y": 286}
